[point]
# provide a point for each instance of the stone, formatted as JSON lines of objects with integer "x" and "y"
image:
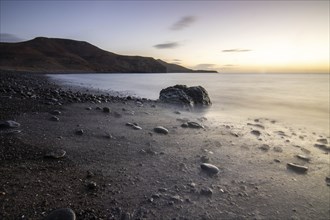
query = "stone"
{"x": 322, "y": 147}
{"x": 184, "y": 125}
{"x": 210, "y": 168}
{"x": 134, "y": 126}
{"x": 160, "y": 130}
{"x": 80, "y": 132}
{"x": 56, "y": 112}
{"x": 278, "y": 149}
{"x": 9, "y": 124}
{"x": 264, "y": 147}
{"x": 181, "y": 94}
{"x": 256, "y": 132}
{"x": 91, "y": 185}
{"x": 57, "y": 154}
{"x": 303, "y": 157}
{"x": 206, "y": 191}
{"x": 322, "y": 141}
{"x": 106, "y": 110}
{"x": 192, "y": 124}
{"x": 61, "y": 214}
{"x": 54, "y": 118}
{"x": 298, "y": 168}
{"x": 205, "y": 159}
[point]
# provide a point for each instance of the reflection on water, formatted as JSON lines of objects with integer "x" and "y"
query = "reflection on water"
{"x": 301, "y": 99}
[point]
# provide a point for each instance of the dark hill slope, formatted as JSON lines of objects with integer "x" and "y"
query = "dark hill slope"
{"x": 62, "y": 55}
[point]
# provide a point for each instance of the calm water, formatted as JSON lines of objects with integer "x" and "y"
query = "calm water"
{"x": 300, "y": 99}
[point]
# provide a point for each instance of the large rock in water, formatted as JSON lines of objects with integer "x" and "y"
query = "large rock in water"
{"x": 181, "y": 94}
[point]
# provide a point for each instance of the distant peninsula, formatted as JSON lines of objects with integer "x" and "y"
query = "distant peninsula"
{"x": 54, "y": 55}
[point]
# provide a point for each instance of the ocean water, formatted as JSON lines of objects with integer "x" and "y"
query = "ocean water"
{"x": 297, "y": 99}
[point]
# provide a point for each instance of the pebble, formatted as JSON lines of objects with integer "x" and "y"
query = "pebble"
{"x": 205, "y": 159}
{"x": 264, "y": 147}
{"x": 80, "y": 132}
{"x": 303, "y": 157}
{"x": 91, "y": 185}
{"x": 61, "y": 214}
{"x": 322, "y": 141}
{"x": 278, "y": 149}
{"x": 106, "y": 110}
{"x": 57, "y": 154}
{"x": 256, "y": 132}
{"x": 184, "y": 125}
{"x": 192, "y": 124}
{"x": 134, "y": 126}
{"x": 297, "y": 168}
{"x": 322, "y": 147}
{"x": 56, "y": 112}
{"x": 54, "y": 118}
{"x": 206, "y": 191}
{"x": 210, "y": 168}
{"x": 9, "y": 124}
{"x": 160, "y": 130}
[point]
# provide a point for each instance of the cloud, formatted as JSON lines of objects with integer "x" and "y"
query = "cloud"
{"x": 183, "y": 23}
{"x": 205, "y": 66}
{"x": 169, "y": 45}
{"x": 5, "y": 37}
{"x": 236, "y": 50}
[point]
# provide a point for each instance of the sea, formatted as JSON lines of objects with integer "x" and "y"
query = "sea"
{"x": 296, "y": 99}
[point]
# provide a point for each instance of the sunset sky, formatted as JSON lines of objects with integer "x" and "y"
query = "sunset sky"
{"x": 228, "y": 36}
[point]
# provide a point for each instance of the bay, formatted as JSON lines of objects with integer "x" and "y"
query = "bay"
{"x": 298, "y": 99}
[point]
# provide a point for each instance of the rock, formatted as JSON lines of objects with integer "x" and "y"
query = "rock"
{"x": 256, "y": 132}
{"x": 210, "y": 168}
{"x": 106, "y": 110}
{"x": 57, "y": 154}
{"x": 322, "y": 141}
{"x": 297, "y": 168}
{"x": 134, "y": 126}
{"x": 278, "y": 149}
{"x": 206, "y": 191}
{"x": 160, "y": 130}
{"x": 56, "y": 112}
{"x": 91, "y": 185}
{"x": 264, "y": 147}
{"x": 181, "y": 94}
{"x": 205, "y": 159}
{"x": 80, "y": 132}
{"x": 184, "y": 125}
{"x": 303, "y": 157}
{"x": 256, "y": 125}
{"x": 327, "y": 180}
{"x": 61, "y": 214}
{"x": 322, "y": 147}
{"x": 54, "y": 118}
{"x": 9, "y": 124}
{"x": 192, "y": 124}
{"x": 88, "y": 108}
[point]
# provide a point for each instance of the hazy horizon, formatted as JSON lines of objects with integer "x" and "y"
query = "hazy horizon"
{"x": 230, "y": 37}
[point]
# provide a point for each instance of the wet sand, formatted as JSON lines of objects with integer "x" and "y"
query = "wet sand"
{"x": 112, "y": 171}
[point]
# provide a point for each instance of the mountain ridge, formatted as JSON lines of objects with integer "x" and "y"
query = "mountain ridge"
{"x": 56, "y": 55}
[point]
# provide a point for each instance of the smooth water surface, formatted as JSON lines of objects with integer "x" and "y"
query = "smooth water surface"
{"x": 301, "y": 99}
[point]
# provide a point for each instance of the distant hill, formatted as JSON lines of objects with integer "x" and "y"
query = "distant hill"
{"x": 53, "y": 55}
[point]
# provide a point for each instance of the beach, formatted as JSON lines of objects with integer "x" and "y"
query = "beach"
{"x": 101, "y": 156}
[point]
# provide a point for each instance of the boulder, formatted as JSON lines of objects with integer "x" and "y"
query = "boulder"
{"x": 181, "y": 94}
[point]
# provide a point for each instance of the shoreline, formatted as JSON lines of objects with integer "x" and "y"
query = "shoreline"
{"x": 113, "y": 171}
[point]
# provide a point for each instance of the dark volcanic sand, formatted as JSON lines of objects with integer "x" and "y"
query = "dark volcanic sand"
{"x": 113, "y": 171}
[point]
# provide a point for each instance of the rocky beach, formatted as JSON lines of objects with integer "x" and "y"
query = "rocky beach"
{"x": 92, "y": 155}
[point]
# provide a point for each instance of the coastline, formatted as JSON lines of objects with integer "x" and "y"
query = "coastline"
{"x": 112, "y": 171}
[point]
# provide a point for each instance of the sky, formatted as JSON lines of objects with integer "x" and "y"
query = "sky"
{"x": 227, "y": 36}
